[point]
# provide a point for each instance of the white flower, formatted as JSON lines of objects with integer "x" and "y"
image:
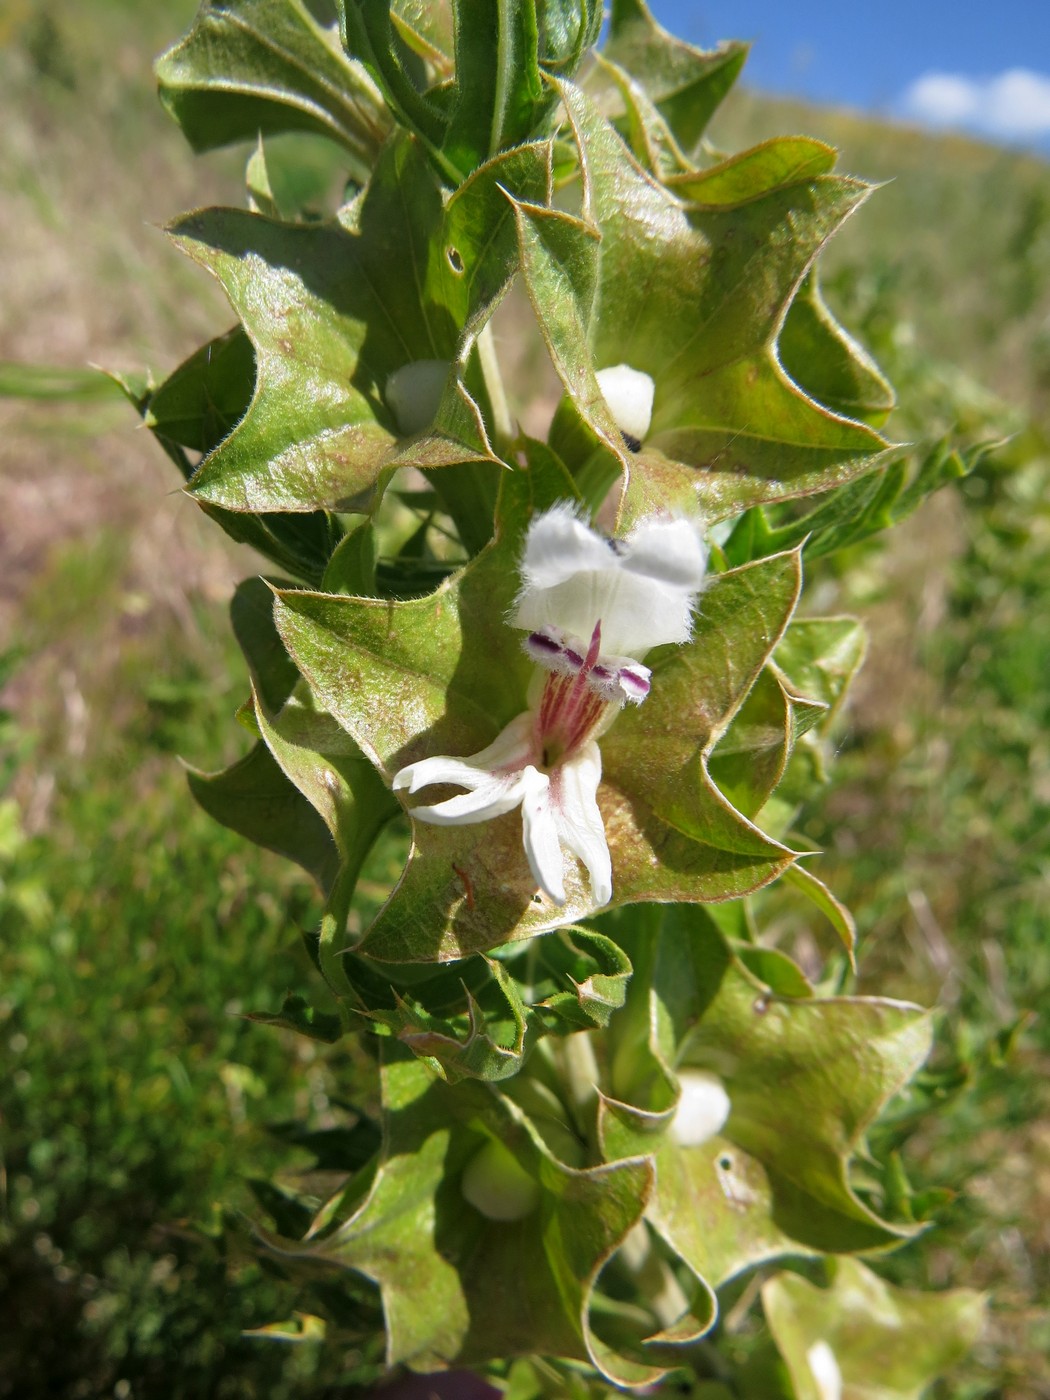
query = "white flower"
{"x": 591, "y": 608}
{"x": 495, "y": 1184}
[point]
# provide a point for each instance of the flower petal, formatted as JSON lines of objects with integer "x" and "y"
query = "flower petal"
{"x": 440, "y": 769}
{"x": 618, "y": 678}
{"x": 557, "y": 546}
{"x": 508, "y": 751}
{"x": 491, "y": 796}
{"x": 668, "y": 550}
{"x": 579, "y": 820}
{"x": 495, "y": 778}
{"x": 540, "y": 837}
{"x": 640, "y": 589}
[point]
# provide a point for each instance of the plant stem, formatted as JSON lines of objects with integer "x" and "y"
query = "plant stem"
{"x": 502, "y": 423}
{"x": 579, "y": 1072}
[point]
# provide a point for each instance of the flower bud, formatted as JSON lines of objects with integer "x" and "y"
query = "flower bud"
{"x": 629, "y": 394}
{"x": 495, "y": 1184}
{"x": 703, "y": 1108}
{"x": 413, "y": 394}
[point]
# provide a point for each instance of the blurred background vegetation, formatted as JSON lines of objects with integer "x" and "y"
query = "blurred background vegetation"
{"x": 136, "y": 1103}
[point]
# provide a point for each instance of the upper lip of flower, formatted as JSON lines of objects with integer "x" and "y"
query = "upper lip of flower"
{"x": 591, "y": 607}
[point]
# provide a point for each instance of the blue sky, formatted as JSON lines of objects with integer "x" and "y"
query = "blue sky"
{"x": 982, "y": 68}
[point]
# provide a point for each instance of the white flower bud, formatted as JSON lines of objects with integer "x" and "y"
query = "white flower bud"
{"x": 703, "y": 1108}
{"x": 495, "y": 1184}
{"x": 413, "y": 393}
{"x": 629, "y": 394}
{"x": 825, "y": 1371}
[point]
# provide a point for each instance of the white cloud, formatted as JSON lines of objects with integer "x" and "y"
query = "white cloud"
{"x": 1012, "y": 106}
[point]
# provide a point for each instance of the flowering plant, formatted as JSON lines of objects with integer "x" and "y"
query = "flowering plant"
{"x": 601, "y": 1093}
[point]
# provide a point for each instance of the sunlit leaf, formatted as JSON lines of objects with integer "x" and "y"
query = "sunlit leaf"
{"x": 457, "y": 1286}
{"x": 684, "y": 84}
{"x": 693, "y": 297}
{"x": 829, "y": 364}
{"x": 332, "y": 315}
{"x": 254, "y": 798}
{"x": 264, "y": 66}
{"x": 805, "y": 1077}
{"x": 884, "y": 1343}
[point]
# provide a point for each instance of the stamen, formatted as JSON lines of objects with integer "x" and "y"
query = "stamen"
{"x": 572, "y": 704}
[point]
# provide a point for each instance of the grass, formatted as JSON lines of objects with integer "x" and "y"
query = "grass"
{"x": 138, "y": 1100}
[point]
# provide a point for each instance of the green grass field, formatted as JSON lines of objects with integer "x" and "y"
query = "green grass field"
{"x": 137, "y": 1102}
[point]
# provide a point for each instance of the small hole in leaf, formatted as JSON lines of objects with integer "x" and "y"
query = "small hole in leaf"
{"x": 455, "y": 262}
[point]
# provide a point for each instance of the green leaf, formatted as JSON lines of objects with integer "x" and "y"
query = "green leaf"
{"x": 261, "y": 198}
{"x": 481, "y": 1016}
{"x": 495, "y": 97}
{"x": 749, "y": 759}
{"x": 352, "y": 567}
{"x": 643, "y": 128}
{"x": 388, "y": 46}
{"x": 772, "y": 165}
{"x": 198, "y": 405}
{"x": 254, "y": 798}
{"x": 472, "y": 1046}
{"x": 819, "y": 657}
{"x": 684, "y": 84}
{"x": 203, "y": 400}
{"x": 860, "y": 509}
{"x": 458, "y": 1287}
{"x": 250, "y": 67}
{"x": 769, "y": 965}
{"x": 885, "y": 1343}
{"x": 500, "y": 96}
{"x": 598, "y": 971}
{"x": 444, "y": 674}
{"x": 331, "y": 315}
{"x": 273, "y": 672}
{"x": 816, "y": 660}
{"x": 296, "y": 1014}
{"x": 695, "y": 299}
{"x": 326, "y": 766}
{"x": 805, "y": 1078}
{"x": 828, "y": 363}
{"x": 62, "y": 383}
{"x": 836, "y": 913}
{"x": 426, "y": 26}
